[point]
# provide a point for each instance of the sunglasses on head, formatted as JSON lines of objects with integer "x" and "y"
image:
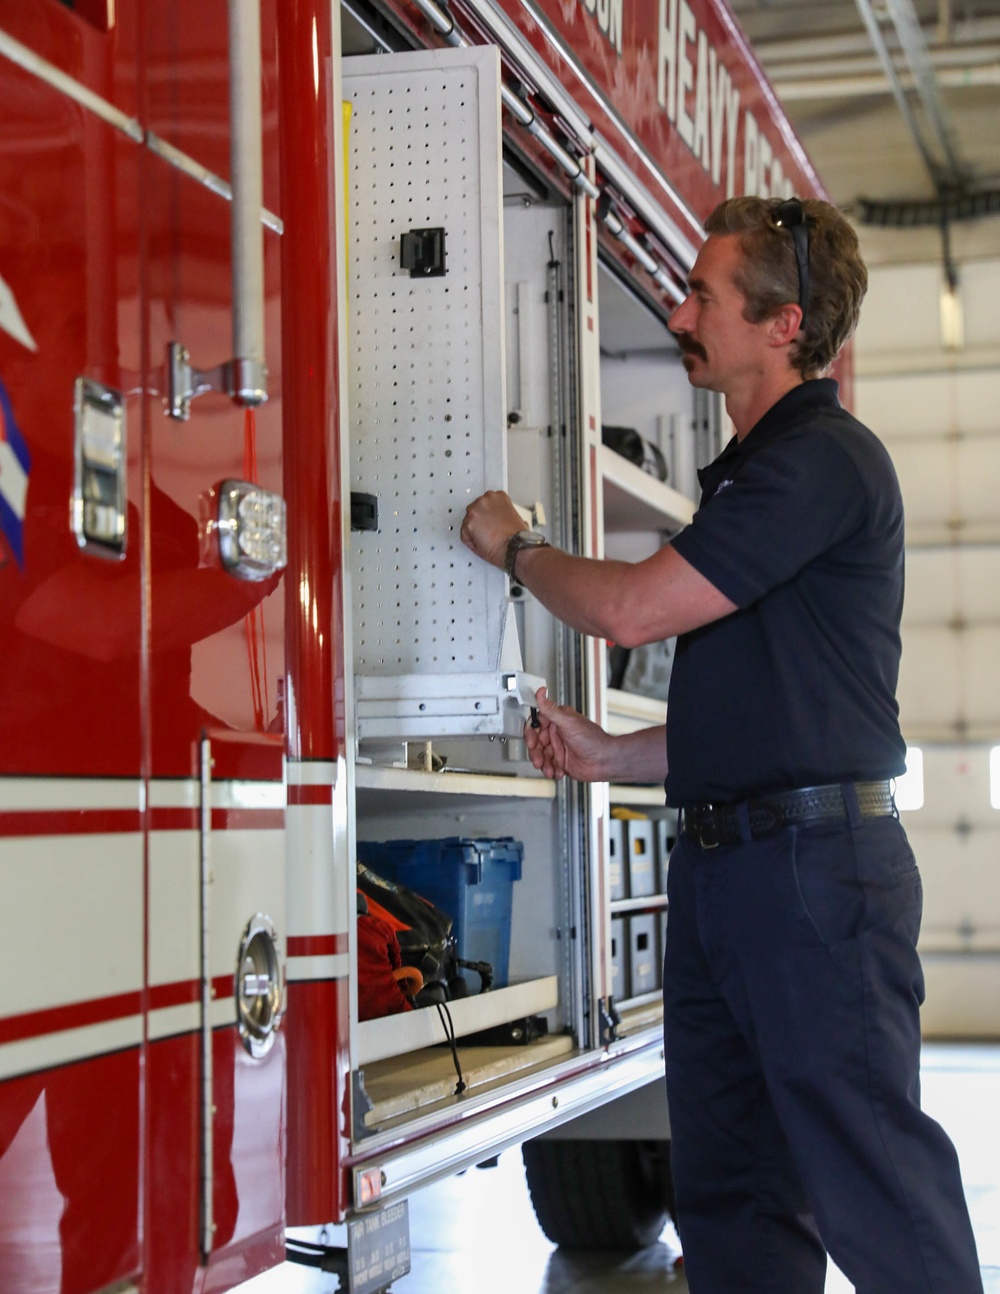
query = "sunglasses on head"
{"x": 791, "y": 215}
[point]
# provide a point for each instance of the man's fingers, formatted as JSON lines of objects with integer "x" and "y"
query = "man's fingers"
{"x": 543, "y": 702}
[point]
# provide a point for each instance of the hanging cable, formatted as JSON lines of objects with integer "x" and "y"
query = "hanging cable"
{"x": 449, "y": 1033}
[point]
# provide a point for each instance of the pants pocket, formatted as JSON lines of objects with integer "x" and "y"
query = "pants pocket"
{"x": 830, "y": 894}
{"x": 849, "y": 882}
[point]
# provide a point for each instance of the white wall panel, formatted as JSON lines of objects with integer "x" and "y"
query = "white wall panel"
{"x": 959, "y": 867}
{"x": 981, "y": 651}
{"x": 950, "y": 483}
{"x": 960, "y": 939}
{"x": 979, "y": 572}
{"x": 901, "y": 309}
{"x": 978, "y": 466}
{"x": 929, "y": 691}
{"x": 949, "y": 684}
{"x": 927, "y": 474}
{"x": 956, "y": 790}
{"x": 933, "y": 587}
{"x": 963, "y": 996}
{"x": 979, "y": 291}
{"x": 896, "y": 406}
{"x": 930, "y": 404}
{"x": 945, "y": 583}
{"x": 938, "y": 412}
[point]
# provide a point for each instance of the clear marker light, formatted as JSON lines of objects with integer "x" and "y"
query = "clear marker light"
{"x": 252, "y": 529}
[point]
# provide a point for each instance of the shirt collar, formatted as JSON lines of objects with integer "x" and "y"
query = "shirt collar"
{"x": 816, "y": 393}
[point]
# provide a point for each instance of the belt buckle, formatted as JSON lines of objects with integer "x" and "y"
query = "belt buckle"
{"x": 703, "y": 842}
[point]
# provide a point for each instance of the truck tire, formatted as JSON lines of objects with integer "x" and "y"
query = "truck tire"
{"x": 599, "y": 1194}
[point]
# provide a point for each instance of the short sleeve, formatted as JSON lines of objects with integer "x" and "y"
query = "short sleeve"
{"x": 787, "y": 504}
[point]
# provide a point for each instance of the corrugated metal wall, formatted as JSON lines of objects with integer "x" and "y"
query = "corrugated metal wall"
{"x": 938, "y": 410}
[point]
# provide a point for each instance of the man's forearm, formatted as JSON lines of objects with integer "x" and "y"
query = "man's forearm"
{"x": 629, "y": 603}
{"x": 582, "y": 592}
{"x": 639, "y": 756}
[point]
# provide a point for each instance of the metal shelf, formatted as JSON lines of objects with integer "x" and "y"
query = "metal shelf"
{"x": 636, "y": 501}
{"x": 395, "y": 1035}
{"x": 374, "y": 780}
{"x": 637, "y": 796}
{"x": 653, "y": 999}
{"x": 649, "y": 903}
{"x": 628, "y": 712}
{"x": 404, "y": 1087}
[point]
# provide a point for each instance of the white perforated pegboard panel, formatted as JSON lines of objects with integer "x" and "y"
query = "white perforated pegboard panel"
{"x": 425, "y": 357}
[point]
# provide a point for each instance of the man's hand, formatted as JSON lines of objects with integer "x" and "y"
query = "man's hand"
{"x": 489, "y": 523}
{"x": 568, "y": 744}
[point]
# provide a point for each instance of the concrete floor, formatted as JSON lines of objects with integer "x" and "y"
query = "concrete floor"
{"x": 478, "y": 1233}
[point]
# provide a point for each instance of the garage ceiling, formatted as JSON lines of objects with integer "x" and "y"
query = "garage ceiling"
{"x": 898, "y": 105}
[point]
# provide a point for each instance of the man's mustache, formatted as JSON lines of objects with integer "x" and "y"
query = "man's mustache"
{"x": 688, "y": 346}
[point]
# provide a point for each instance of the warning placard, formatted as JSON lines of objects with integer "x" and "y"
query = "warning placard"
{"x": 378, "y": 1249}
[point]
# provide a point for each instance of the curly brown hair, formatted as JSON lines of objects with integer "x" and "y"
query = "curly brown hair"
{"x": 768, "y": 277}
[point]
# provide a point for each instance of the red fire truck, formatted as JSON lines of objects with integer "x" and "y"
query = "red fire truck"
{"x": 284, "y": 285}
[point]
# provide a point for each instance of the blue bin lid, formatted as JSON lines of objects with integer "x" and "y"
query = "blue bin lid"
{"x": 467, "y": 851}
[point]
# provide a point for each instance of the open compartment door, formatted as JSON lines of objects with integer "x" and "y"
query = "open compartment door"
{"x": 435, "y": 653}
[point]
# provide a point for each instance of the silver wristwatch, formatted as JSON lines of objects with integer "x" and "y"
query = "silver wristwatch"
{"x": 523, "y": 539}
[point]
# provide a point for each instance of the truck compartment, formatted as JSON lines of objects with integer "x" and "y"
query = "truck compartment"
{"x": 463, "y": 380}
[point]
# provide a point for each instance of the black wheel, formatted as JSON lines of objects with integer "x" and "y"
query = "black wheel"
{"x": 600, "y": 1194}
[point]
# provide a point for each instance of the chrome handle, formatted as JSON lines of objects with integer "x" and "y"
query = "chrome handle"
{"x": 244, "y": 377}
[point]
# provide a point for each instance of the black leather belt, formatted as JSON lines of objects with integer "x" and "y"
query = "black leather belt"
{"x": 721, "y": 824}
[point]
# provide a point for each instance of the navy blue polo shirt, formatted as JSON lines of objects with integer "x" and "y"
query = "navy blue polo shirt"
{"x": 801, "y": 525}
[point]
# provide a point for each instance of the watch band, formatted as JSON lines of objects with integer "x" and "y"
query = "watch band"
{"x": 521, "y": 539}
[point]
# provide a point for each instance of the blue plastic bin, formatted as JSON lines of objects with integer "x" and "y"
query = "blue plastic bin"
{"x": 470, "y": 880}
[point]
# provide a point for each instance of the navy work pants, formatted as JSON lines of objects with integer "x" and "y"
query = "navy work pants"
{"x": 792, "y": 990}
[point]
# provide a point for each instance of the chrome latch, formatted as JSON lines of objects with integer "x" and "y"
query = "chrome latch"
{"x": 243, "y": 380}
{"x": 98, "y": 506}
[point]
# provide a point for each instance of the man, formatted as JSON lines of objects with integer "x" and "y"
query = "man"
{"x": 791, "y": 980}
